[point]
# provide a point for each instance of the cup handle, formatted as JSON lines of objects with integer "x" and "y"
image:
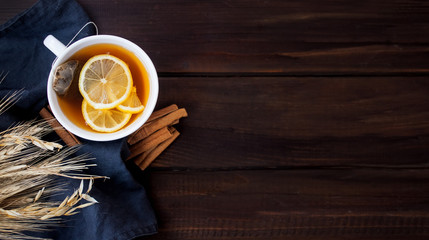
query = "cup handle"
{"x": 54, "y": 45}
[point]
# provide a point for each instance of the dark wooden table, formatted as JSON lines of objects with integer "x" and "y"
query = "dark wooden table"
{"x": 307, "y": 119}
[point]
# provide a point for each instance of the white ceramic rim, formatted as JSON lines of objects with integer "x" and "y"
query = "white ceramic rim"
{"x": 153, "y": 91}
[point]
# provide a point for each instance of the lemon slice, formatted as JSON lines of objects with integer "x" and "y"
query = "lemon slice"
{"x": 104, "y": 120}
{"x": 105, "y": 81}
{"x": 132, "y": 104}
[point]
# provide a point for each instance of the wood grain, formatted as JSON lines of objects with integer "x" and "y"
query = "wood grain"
{"x": 247, "y": 122}
{"x": 291, "y": 37}
{"x": 308, "y": 119}
{"x": 298, "y": 204}
{"x": 281, "y": 37}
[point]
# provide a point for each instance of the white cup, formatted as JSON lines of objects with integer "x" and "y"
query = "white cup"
{"x": 63, "y": 53}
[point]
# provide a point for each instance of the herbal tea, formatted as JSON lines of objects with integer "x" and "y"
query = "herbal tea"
{"x": 87, "y": 99}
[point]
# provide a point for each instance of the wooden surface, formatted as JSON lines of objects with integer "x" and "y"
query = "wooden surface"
{"x": 307, "y": 119}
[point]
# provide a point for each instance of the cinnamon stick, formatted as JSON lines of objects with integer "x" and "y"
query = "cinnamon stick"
{"x": 162, "y": 112}
{"x": 140, "y": 158}
{"x": 147, "y": 143}
{"x": 157, "y": 124}
{"x": 65, "y": 135}
{"x": 144, "y": 160}
{"x": 150, "y": 142}
{"x": 133, "y": 138}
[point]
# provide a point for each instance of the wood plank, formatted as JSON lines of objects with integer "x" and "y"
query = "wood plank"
{"x": 284, "y": 37}
{"x": 281, "y": 122}
{"x": 275, "y": 36}
{"x": 298, "y": 204}
{"x": 304, "y": 108}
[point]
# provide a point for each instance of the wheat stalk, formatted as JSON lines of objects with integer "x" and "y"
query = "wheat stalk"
{"x": 30, "y": 169}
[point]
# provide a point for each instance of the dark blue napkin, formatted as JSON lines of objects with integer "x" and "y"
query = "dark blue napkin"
{"x": 124, "y": 211}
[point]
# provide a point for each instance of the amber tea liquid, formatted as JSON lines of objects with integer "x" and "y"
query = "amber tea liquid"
{"x": 71, "y": 103}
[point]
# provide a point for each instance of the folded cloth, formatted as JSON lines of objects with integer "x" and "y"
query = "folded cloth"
{"x": 123, "y": 211}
